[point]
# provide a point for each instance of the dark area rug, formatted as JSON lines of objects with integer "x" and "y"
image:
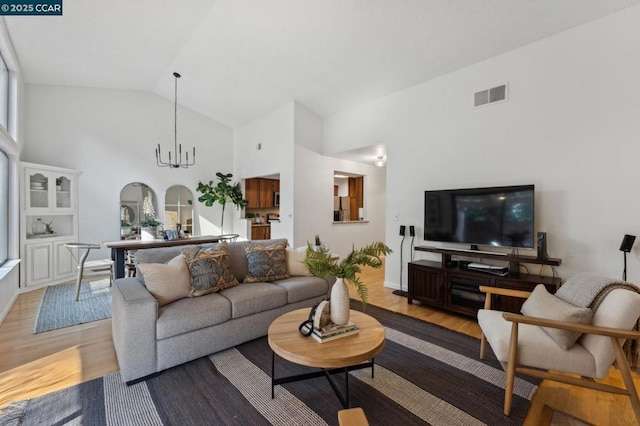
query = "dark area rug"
{"x": 426, "y": 374}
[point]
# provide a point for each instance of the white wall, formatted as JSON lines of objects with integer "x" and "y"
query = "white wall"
{"x": 274, "y": 132}
{"x": 291, "y": 138}
{"x": 314, "y": 202}
{"x": 110, "y": 135}
{"x": 570, "y": 127}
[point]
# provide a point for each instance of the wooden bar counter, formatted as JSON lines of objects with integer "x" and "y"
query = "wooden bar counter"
{"x": 118, "y": 248}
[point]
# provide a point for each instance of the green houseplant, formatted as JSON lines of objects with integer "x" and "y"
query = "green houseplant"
{"x": 149, "y": 221}
{"x": 323, "y": 264}
{"x": 149, "y": 228}
{"x": 224, "y": 191}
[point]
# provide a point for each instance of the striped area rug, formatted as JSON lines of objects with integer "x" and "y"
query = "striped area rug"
{"x": 425, "y": 375}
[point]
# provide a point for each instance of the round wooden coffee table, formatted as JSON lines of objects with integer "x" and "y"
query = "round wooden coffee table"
{"x": 336, "y": 356}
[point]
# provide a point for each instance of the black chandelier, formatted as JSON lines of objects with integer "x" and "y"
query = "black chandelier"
{"x": 177, "y": 148}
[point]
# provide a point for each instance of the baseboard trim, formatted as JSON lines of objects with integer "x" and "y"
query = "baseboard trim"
{"x": 7, "y": 308}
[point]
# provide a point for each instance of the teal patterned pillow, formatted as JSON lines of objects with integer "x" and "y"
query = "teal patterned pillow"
{"x": 266, "y": 262}
{"x": 210, "y": 269}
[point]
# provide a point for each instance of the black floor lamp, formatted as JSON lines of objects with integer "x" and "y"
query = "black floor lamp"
{"x": 625, "y": 247}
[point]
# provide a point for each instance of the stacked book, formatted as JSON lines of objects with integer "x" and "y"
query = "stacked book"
{"x": 333, "y": 331}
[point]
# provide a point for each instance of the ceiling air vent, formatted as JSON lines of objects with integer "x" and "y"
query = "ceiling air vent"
{"x": 489, "y": 96}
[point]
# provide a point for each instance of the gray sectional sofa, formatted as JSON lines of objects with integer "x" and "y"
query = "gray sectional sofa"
{"x": 149, "y": 338}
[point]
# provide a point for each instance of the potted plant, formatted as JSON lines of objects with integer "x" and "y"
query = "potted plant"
{"x": 149, "y": 228}
{"x": 225, "y": 190}
{"x": 125, "y": 228}
{"x": 58, "y": 184}
{"x": 323, "y": 264}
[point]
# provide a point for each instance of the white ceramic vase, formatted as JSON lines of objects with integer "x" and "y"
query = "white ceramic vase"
{"x": 148, "y": 233}
{"x": 340, "y": 302}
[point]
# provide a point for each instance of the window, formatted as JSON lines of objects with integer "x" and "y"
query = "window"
{"x": 178, "y": 209}
{"x": 4, "y": 207}
{"x": 4, "y": 94}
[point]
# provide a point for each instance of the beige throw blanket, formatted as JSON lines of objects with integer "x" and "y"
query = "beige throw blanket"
{"x": 588, "y": 290}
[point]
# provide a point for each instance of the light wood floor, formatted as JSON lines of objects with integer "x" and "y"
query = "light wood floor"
{"x": 34, "y": 364}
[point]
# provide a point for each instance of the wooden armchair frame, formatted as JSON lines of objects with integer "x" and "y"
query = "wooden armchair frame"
{"x": 511, "y": 368}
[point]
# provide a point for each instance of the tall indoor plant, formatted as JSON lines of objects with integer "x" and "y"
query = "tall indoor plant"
{"x": 225, "y": 190}
{"x": 324, "y": 264}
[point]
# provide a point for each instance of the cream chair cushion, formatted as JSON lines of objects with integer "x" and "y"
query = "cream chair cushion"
{"x": 619, "y": 309}
{"x": 591, "y": 356}
{"x": 535, "y": 347}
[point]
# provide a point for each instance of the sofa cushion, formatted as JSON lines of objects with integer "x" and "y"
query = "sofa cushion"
{"x": 542, "y": 304}
{"x": 254, "y": 298}
{"x": 266, "y": 261}
{"x": 210, "y": 269}
{"x": 169, "y": 282}
{"x": 237, "y": 257}
{"x": 191, "y": 314}
{"x": 302, "y": 288}
{"x": 156, "y": 255}
{"x": 295, "y": 262}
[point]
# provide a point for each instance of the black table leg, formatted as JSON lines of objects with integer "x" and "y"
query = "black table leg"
{"x": 117, "y": 255}
{"x": 346, "y": 387}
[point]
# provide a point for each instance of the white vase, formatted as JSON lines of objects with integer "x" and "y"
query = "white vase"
{"x": 148, "y": 233}
{"x": 340, "y": 302}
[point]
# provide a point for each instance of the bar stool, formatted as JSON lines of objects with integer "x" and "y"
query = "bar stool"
{"x": 80, "y": 251}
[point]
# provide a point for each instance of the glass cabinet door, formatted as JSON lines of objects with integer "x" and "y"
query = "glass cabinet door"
{"x": 49, "y": 191}
{"x": 37, "y": 190}
{"x": 64, "y": 196}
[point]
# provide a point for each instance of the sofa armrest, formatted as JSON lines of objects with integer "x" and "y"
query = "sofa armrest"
{"x": 134, "y": 316}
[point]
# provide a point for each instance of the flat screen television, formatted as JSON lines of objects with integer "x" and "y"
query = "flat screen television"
{"x": 499, "y": 216}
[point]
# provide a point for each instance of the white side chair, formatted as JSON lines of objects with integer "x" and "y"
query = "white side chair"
{"x": 89, "y": 268}
{"x": 522, "y": 346}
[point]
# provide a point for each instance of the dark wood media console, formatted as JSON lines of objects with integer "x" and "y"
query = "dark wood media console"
{"x": 449, "y": 286}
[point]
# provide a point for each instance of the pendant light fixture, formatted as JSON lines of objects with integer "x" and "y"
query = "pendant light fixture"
{"x": 177, "y": 148}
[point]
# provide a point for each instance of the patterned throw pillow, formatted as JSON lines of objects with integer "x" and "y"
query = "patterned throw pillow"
{"x": 266, "y": 262}
{"x": 210, "y": 269}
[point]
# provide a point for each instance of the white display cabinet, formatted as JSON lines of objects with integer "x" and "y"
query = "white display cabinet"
{"x": 48, "y": 220}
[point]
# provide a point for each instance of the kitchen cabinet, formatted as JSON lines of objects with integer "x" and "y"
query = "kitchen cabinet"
{"x": 259, "y": 192}
{"x": 261, "y": 232}
{"x": 48, "y": 220}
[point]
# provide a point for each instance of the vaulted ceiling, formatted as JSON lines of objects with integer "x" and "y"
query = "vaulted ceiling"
{"x": 241, "y": 59}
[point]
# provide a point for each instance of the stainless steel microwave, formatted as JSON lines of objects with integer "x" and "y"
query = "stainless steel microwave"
{"x": 276, "y": 199}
